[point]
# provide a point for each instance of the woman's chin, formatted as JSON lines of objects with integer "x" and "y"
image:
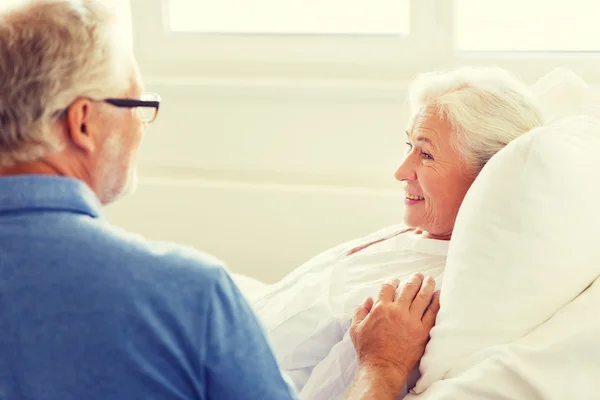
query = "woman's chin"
{"x": 410, "y": 220}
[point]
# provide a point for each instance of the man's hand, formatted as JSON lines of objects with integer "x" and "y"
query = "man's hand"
{"x": 390, "y": 334}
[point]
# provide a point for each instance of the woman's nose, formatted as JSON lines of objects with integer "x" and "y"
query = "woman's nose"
{"x": 406, "y": 170}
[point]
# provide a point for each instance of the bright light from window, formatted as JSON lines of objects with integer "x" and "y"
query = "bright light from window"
{"x": 291, "y": 16}
{"x": 527, "y": 25}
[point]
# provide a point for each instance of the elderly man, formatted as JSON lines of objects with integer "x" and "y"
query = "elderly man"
{"x": 89, "y": 311}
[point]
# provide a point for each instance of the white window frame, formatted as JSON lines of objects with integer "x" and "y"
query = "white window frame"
{"x": 527, "y": 65}
{"x": 182, "y": 55}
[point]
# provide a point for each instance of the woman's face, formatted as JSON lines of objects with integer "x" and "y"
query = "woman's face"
{"x": 436, "y": 179}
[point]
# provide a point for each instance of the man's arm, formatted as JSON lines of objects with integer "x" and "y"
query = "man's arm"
{"x": 390, "y": 336}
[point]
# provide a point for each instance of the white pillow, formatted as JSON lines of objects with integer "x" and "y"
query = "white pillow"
{"x": 562, "y": 93}
{"x": 526, "y": 242}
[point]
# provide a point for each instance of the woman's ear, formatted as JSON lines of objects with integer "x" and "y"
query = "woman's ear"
{"x": 79, "y": 123}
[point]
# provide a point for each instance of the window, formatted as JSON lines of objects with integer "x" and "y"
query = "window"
{"x": 370, "y": 40}
{"x": 290, "y": 16}
{"x": 285, "y": 39}
{"x": 527, "y": 25}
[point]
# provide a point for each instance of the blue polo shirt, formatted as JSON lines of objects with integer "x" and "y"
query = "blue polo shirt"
{"x": 89, "y": 311}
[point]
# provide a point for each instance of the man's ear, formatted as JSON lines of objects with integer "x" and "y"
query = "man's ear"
{"x": 80, "y": 125}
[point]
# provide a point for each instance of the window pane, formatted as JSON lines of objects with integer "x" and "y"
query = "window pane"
{"x": 527, "y": 25}
{"x": 291, "y": 16}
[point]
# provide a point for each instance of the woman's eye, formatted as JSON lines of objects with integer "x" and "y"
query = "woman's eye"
{"x": 426, "y": 156}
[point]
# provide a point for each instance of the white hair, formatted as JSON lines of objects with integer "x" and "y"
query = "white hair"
{"x": 51, "y": 53}
{"x": 485, "y": 107}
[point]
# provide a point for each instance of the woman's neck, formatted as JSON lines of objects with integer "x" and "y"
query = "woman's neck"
{"x": 429, "y": 235}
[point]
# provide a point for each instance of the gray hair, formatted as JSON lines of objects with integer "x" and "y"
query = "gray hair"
{"x": 51, "y": 53}
{"x": 486, "y": 108}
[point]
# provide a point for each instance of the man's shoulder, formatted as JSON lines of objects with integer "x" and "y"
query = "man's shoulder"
{"x": 168, "y": 256}
{"x": 145, "y": 261}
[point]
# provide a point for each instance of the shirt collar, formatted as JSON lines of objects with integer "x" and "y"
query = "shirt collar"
{"x": 50, "y": 193}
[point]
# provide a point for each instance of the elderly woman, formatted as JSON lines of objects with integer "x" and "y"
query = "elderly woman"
{"x": 460, "y": 119}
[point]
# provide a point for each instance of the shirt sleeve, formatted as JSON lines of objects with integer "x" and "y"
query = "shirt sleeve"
{"x": 239, "y": 362}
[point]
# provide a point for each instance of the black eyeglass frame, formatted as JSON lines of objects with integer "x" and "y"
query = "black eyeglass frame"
{"x": 133, "y": 103}
{"x": 124, "y": 103}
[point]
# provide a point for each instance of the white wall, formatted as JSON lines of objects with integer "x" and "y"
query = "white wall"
{"x": 265, "y": 174}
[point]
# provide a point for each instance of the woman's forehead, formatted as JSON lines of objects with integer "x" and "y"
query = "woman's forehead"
{"x": 425, "y": 122}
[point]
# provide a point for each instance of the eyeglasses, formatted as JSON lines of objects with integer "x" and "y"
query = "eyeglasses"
{"x": 147, "y": 106}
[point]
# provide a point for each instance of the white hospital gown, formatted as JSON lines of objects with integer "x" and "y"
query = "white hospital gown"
{"x": 307, "y": 314}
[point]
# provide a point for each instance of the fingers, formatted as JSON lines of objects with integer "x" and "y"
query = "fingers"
{"x": 432, "y": 312}
{"x": 369, "y": 304}
{"x": 362, "y": 311}
{"x": 423, "y": 297}
{"x": 410, "y": 290}
{"x": 388, "y": 291}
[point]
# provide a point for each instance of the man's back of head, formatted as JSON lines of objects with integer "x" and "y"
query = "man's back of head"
{"x": 59, "y": 59}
